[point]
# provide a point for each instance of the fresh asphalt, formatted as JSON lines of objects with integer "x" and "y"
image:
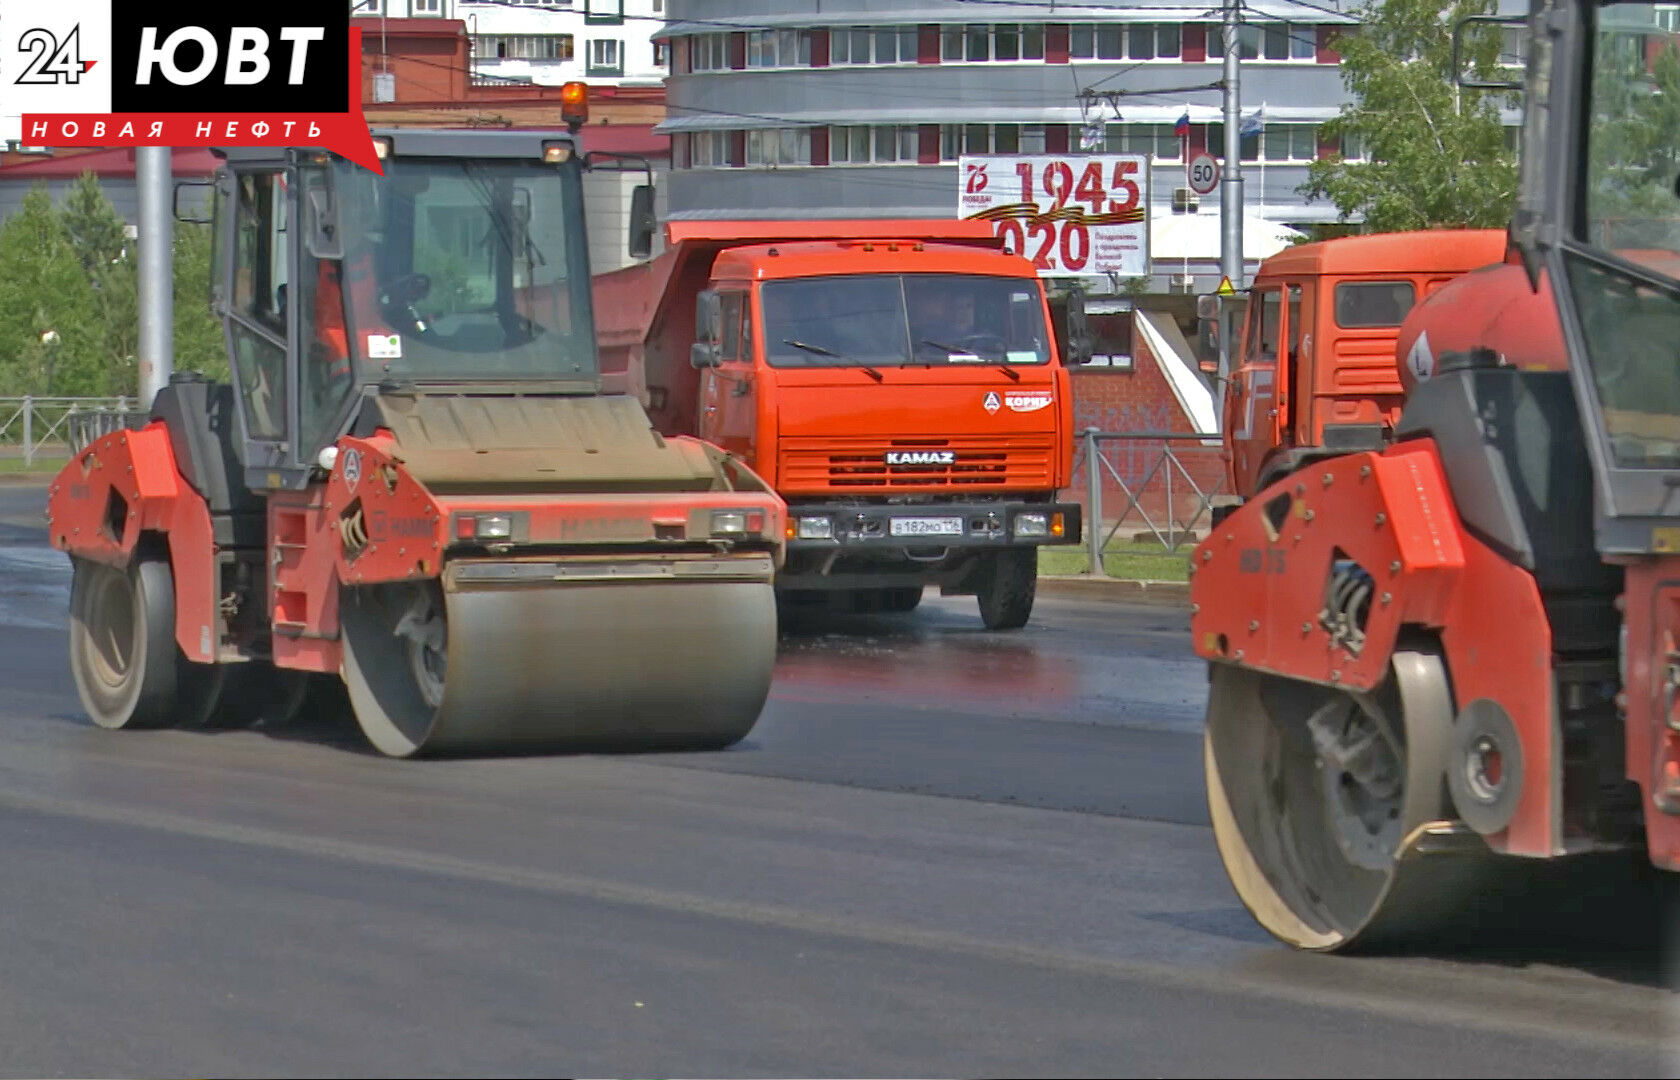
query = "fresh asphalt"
{"x": 942, "y": 851}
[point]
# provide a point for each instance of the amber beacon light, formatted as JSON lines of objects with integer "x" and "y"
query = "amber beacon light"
{"x": 574, "y": 105}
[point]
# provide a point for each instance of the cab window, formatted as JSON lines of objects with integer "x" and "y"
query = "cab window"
{"x": 1263, "y": 325}
{"x": 1364, "y": 305}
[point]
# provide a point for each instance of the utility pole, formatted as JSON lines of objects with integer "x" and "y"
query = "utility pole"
{"x": 1231, "y": 183}
{"x": 152, "y": 174}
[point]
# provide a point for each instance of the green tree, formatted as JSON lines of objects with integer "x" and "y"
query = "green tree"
{"x": 110, "y": 260}
{"x": 1437, "y": 154}
{"x": 51, "y": 338}
{"x": 1634, "y": 146}
{"x": 94, "y": 227}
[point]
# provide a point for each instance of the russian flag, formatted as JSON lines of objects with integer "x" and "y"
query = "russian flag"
{"x": 1182, "y": 128}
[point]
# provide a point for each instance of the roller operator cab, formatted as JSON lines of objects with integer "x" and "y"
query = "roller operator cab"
{"x": 415, "y": 480}
{"x": 1440, "y": 660}
{"x": 899, "y": 383}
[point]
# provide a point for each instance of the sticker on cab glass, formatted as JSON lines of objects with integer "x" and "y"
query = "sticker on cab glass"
{"x": 384, "y": 346}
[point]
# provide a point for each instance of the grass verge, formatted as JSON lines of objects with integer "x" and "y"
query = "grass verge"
{"x": 1141, "y": 561}
{"x": 41, "y": 466}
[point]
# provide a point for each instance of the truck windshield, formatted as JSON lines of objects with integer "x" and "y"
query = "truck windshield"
{"x": 466, "y": 269}
{"x": 1632, "y": 156}
{"x": 887, "y": 320}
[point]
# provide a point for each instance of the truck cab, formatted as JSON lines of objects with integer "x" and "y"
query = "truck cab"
{"x": 1314, "y": 369}
{"x": 900, "y": 384}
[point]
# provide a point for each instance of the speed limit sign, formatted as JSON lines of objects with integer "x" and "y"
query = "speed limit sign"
{"x": 1203, "y": 173}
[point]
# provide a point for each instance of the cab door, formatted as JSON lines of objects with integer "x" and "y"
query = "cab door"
{"x": 729, "y": 404}
{"x": 1253, "y": 414}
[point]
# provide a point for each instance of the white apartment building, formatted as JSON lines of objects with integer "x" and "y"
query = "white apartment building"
{"x": 548, "y": 42}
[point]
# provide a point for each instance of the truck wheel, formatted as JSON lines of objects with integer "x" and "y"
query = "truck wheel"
{"x": 1008, "y": 586}
{"x": 907, "y": 598}
{"x": 128, "y": 670}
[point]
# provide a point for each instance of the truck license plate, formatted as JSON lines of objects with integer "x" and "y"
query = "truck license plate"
{"x": 941, "y": 526}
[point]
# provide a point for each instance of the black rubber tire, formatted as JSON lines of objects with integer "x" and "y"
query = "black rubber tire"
{"x": 129, "y": 673}
{"x": 1008, "y": 585}
{"x": 903, "y": 599}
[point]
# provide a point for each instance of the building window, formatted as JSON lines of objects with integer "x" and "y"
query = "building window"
{"x": 1082, "y": 41}
{"x": 603, "y": 12}
{"x": 1267, "y": 41}
{"x": 778, "y": 48}
{"x": 1152, "y": 41}
{"x": 427, "y": 7}
{"x": 951, "y": 43}
{"x": 709, "y": 149}
{"x": 606, "y": 57}
{"x": 779, "y": 146}
{"x": 884, "y": 144}
{"x": 710, "y": 52}
{"x": 522, "y": 47}
{"x": 955, "y": 140}
{"x": 877, "y": 45}
{"x": 1290, "y": 142}
{"x": 1156, "y": 140}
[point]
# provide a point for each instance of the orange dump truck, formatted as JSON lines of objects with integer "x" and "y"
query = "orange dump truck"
{"x": 900, "y": 383}
{"x": 1315, "y": 374}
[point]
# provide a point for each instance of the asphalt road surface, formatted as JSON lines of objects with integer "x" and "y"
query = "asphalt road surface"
{"x": 941, "y": 852}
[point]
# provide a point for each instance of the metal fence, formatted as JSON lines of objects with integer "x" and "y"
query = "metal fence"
{"x": 33, "y": 427}
{"x": 1154, "y": 474}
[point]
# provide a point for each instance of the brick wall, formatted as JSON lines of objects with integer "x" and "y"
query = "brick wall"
{"x": 1117, "y": 401}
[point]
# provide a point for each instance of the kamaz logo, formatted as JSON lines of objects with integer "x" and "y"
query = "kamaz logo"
{"x": 921, "y": 457}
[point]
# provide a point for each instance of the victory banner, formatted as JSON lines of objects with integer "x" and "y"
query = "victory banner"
{"x": 1071, "y": 214}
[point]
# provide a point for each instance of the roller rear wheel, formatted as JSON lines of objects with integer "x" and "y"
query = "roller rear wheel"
{"x": 129, "y": 672}
{"x": 1329, "y": 807}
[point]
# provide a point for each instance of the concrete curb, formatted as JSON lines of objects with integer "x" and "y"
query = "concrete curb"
{"x": 1115, "y": 590}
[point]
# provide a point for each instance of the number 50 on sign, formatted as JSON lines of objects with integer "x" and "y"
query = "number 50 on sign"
{"x": 1071, "y": 214}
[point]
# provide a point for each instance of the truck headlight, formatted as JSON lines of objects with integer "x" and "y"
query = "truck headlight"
{"x": 1032, "y": 524}
{"x": 816, "y": 528}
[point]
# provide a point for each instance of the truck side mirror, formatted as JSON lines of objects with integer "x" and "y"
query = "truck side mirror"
{"x": 191, "y": 217}
{"x": 1078, "y": 330}
{"x": 641, "y": 221}
{"x": 703, "y": 354}
{"x": 708, "y": 317}
{"x": 1207, "y": 307}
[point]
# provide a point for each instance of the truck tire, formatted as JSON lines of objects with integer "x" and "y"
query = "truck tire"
{"x": 1007, "y": 587}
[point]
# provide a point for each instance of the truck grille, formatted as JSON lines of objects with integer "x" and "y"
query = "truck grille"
{"x": 1002, "y": 463}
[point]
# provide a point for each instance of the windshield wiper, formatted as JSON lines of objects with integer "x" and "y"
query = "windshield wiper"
{"x": 1005, "y": 368}
{"x": 820, "y": 351}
